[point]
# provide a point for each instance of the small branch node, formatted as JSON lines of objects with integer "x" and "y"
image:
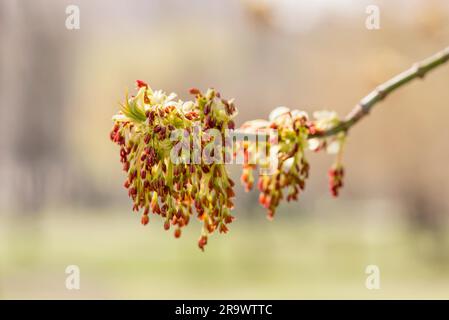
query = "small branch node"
{"x": 420, "y": 71}
{"x": 381, "y": 93}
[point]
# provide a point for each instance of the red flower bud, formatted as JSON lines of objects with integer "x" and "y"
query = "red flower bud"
{"x": 126, "y": 184}
{"x": 202, "y": 242}
{"x": 194, "y": 91}
{"x": 145, "y": 219}
{"x": 229, "y": 219}
{"x": 223, "y": 228}
{"x": 262, "y": 199}
{"x": 141, "y": 84}
{"x": 335, "y": 180}
{"x": 126, "y": 166}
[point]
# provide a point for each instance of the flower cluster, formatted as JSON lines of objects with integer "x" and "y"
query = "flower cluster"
{"x": 325, "y": 120}
{"x": 336, "y": 174}
{"x": 170, "y": 184}
{"x": 287, "y": 166}
{"x": 287, "y": 178}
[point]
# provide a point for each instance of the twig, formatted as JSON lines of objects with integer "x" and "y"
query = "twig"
{"x": 418, "y": 70}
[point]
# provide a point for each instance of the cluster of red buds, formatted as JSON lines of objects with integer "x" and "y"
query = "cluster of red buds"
{"x": 333, "y": 145}
{"x": 336, "y": 174}
{"x": 286, "y": 169}
{"x": 144, "y": 129}
{"x": 286, "y": 180}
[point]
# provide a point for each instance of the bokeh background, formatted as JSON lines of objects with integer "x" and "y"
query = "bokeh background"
{"x": 61, "y": 196}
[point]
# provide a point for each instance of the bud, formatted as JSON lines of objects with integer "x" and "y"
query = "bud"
{"x": 223, "y": 228}
{"x": 336, "y": 174}
{"x": 126, "y": 184}
{"x": 141, "y": 84}
{"x": 145, "y": 219}
{"x": 194, "y": 91}
{"x": 202, "y": 242}
{"x": 126, "y": 166}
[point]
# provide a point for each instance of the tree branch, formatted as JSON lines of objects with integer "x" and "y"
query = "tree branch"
{"x": 418, "y": 70}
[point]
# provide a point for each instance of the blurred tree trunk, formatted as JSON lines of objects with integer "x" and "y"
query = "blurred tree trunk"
{"x": 32, "y": 105}
{"x": 427, "y": 214}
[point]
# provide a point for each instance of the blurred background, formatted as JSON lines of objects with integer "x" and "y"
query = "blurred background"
{"x": 61, "y": 196}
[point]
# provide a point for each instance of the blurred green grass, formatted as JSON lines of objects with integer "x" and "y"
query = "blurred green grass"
{"x": 291, "y": 258}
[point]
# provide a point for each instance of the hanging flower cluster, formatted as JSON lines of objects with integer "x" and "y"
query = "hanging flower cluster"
{"x": 325, "y": 120}
{"x": 159, "y": 140}
{"x": 287, "y": 168}
{"x": 174, "y": 155}
{"x": 287, "y": 179}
